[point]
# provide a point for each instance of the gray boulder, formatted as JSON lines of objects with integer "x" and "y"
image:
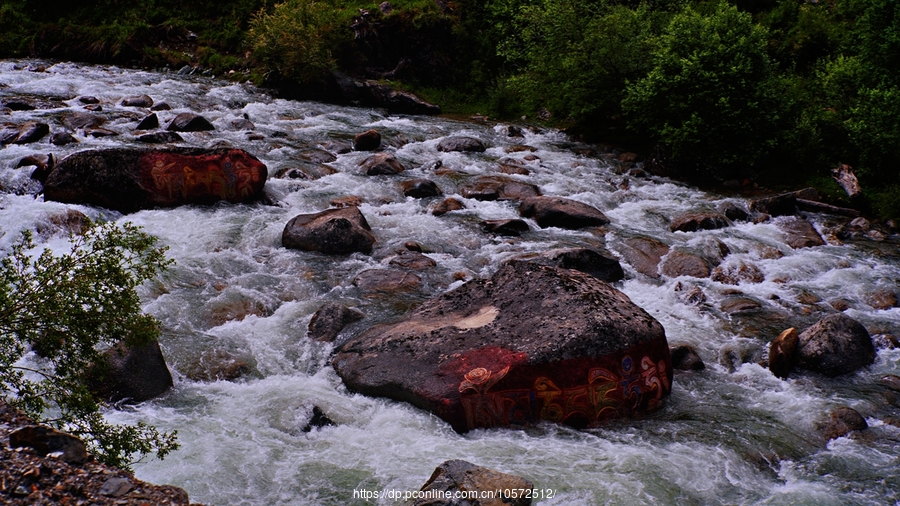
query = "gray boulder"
{"x": 835, "y": 345}
{"x": 333, "y": 231}
{"x": 561, "y": 212}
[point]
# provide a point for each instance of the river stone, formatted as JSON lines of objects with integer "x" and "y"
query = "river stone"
{"x": 835, "y": 345}
{"x": 733, "y": 212}
{"x": 370, "y": 140}
{"x": 62, "y": 139}
{"x": 586, "y": 260}
{"x": 45, "y": 440}
{"x": 137, "y": 101}
{"x": 467, "y": 144}
{"x": 217, "y": 365}
{"x": 682, "y": 263}
{"x": 488, "y": 188}
{"x": 841, "y": 422}
{"x": 330, "y": 319}
{"x": 148, "y": 123}
{"x": 531, "y": 343}
{"x": 412, "y": 260}
{"x": 505, "y": 227}
{"x": 686, "y": 358}
{"x": 333, "y": 231}
{"x": 132, "y": 374}
{"x": 460, "y": 477}
{"x": 800, "y": 233}
{"x": 561, "y": 212}
{"x": 693, "y": 222}
{"x": 445, "y": 206}
{"x": 644, "y": 254}
{"x": 79, "y": 120}
{"x": 382, "y": 164}
{"x": 387, "y": 280}
{"x": 161, "y": 137}
{"x": 32, "y": 131}
{"x": 735, "y": 273}
{"x": 128, "y": 180}
{"x": 420, "y": 188}
{"x": 189, "y": 122}
{"x": 317, "y": 420}
{"x": 782, "y": 353}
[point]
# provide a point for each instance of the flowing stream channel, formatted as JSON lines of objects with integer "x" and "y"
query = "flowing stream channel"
{"x": 729, "y": 434}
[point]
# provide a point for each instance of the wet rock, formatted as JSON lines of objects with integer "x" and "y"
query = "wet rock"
{"x": 62, "y": 139}
{"x": 518, "y": 148}
{"x": 776, "y": 205}
{"x": 334, "y": 232}
{"x": 412, "y": 260}
{"x": 306, "y": 172}
{"x": 382, "y": 164}
{"x": 842, "y": 421}
{"x": 686, "y": 358}
{"x": 330, "y": 319}
{"x": 189, "y": 122}
{"x": 420, "y": 188}
{"x": 840, "y": 304}
{"x": 137, "y": 101}
{"x": 67, "y": 222}
{"x": 644, "y": 254}
{"x": 885, "y": 341}
{"x": 800, "y": 233}
{"x": 736, "y": 304}
{"x": 835, "y": 345}
{"x": 218, "y": 365}
{"x": 692, "y": 222}
{"x": 79, "y": 120}
{"x": 445, "y": 206}
{"x": 387, "y": 280}
{"x": 32, "y": 131}
{"x": 88, "y": 99}
{"x": 513, "y": 166}
{"x": 682, "y": 263}
{"x": 738, "y": 352}
{"x": 100, "y": 132}
{"x": 242, "y": 124}
{"x": 348, "y": 201}
{"x": 94, "y": 108}
{"x": 456, "y": 477}
{"x": 531, "y": 337}
{"x": 45, "y": 440}
{"x": 602, "y": 266}
{"x": 735, "y": 273}
{"x": 487, "y": 188}
{"x": 561, "y": 212}
{"x": 131, "y": 374}
{"x": 318, "y": 156}
{"x": 18, "y": 104}
{"x": 370, "y": 140}
{"x": 466, "y": 144}
{"x": 882, "y": 298}
{"x": 161, "y": 106}
{"x": 691, "y": 295}
{"x": 159, "y": 138}
{"x": 782, "y": 353}
{"x": 733, "y": 212}
{"x": 318, "y": 420}
{"x": 129, "y": 180}
{"x": 509, "y": 228}
{"x": 148, "y": 123}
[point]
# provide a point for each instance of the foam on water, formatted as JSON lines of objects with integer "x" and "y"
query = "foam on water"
{"x": 725, "y": 436}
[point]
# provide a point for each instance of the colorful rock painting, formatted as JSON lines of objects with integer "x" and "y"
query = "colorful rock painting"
{"x": 599, "y": 394}
{"x": 174, "y": 177}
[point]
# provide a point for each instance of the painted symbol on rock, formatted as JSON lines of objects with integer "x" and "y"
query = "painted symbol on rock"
{"x": 222, "y": 177}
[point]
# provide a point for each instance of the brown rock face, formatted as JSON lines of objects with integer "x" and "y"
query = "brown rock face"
{"x": 588, "y": 261}
{"x": 644, "y": 254}
{"x": 468, "y": 144}
{"x": 382, "y": 164}
{"x": 488, "y": 188}
{"x": 445, "y": 206}
{"x": 189, "y": 122}
{"x": 370, "y": 140}
{"x": 842, "y": 421}
{"x": 561, "y": 212}
{"x": 782, "y": 353}
{"x": 682, "y": 263}
{"x": 800, "y": 233}
{"x": 330, "y": 319}
{"x": 686, "y": 358}
{"x": 45, "y": 440}
{"x": 334, "y": 231}
{"x": 698, "y": 221}
{"x": 135, "y": 374}
{"x": 509, "y": 228}
{"x": 531, "y": 343}
{"x": 420, "y": 188}
{"x": 461, "y": 476}
{"x": 129, "y": 180}
{"x": 387, "y": 280}
{"x": 835, "y": 345}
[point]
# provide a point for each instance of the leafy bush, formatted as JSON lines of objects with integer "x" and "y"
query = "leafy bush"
{"x": 298, "y": 37}
{"x": 711, "y": 97}
{"x": 63, "y": 308}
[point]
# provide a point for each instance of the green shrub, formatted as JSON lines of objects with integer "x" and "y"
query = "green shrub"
{"x": 710, "y": 99}
{"x": 64, "y": 307}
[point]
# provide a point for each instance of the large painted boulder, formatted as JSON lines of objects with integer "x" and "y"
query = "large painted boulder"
{"x": 129, "y": 180}
{"x": 531, "y": 343}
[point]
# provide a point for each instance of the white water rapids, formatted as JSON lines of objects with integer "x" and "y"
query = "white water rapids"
{"x": 723, "y": 437}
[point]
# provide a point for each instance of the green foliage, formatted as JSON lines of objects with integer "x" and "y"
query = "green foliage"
{"x": 64, "y": 308}
{"x": 711, "y": 97}
{"x": 298, "y": 37}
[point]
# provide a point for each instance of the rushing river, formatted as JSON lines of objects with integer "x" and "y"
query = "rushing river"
{"x": 725, "y": 436}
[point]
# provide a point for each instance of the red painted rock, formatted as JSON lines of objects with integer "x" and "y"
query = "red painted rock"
{"x": 129, "y": 180}
{"x": 531, "y": 343}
